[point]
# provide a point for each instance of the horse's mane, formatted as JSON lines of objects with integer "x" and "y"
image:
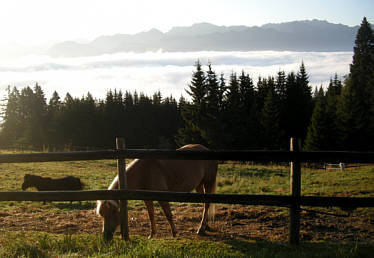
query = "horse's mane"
{"x": 113, "y": 186}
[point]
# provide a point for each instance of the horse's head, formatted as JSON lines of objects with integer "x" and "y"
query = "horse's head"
{"x": 26, "y": 182}
{"x": 109, "y": 212}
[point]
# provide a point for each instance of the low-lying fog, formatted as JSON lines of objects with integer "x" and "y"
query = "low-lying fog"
{"x": 152, "y": 71}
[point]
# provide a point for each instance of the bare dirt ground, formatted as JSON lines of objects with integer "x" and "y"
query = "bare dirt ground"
{"x": 231, "y": 222}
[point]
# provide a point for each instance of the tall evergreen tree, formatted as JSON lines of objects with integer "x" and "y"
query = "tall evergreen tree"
{"x": 193, "y": 114}
{"x": 12, "y": 124}
{"x": 362, "y": 67}
{"x": 281, "y": 93}
{"x": 356, "y": 100}
{"x": 332, "y": 97}
{"x": 318, "y": 136}
{"x": 213, "y": 115}
{"x": 280, "y": 86}
{"x": 233, "y": 116}
{"x": 54, "y": 113}
{"x": 270, "y": 122}
{"x": 298, "y": 105}
{"x": 306, "y": 103}
{"x": 249, "y": 112}
{"x": 222, "y": 92}
{"x": 34, "y": 108}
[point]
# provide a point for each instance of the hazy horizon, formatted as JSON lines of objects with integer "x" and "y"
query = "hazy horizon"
{"x": 15, "y": 50}
{"x": 41, "y": 21}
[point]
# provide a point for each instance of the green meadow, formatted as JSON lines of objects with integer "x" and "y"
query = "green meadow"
{"x": 232, "y": 178}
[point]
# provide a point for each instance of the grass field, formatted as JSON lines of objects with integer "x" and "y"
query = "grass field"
{"x": 29, "y": 244}
{"x": 232, "y": 178}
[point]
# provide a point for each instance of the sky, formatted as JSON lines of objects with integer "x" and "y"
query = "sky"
{"x": 25, "y": 22}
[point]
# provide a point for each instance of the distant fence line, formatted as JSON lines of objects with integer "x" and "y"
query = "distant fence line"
{"x": 294, "y": 201}
{"x": 234, "y": 155}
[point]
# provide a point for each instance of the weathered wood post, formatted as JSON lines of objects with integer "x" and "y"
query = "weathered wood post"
{"x": 121, "y": 168}
{"x": 295, "y": 189}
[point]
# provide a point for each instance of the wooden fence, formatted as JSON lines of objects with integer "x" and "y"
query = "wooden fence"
{"x": 293, "y": 201}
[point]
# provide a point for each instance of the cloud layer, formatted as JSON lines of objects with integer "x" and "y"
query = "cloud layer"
{"x": 168, "y": 72}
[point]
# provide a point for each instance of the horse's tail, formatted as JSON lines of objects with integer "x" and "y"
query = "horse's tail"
{"x": 213, "y": 184}
{"x": 212, "y": 206}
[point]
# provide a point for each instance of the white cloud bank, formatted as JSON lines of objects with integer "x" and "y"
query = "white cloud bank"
{"x": 168, "y": 72}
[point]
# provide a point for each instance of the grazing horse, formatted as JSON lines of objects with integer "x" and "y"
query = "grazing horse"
{"x": 162, "y": 175}
{"x": 49, "y": 184}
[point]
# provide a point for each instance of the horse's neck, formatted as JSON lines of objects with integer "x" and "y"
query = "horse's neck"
{"x": 114, "y": 184}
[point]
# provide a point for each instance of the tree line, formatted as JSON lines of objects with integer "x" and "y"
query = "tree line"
{"x": 222, "y": 112}
{"x": 79, "y": 123}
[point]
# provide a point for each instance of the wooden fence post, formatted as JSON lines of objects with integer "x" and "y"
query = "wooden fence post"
{"x": 295, "y": 189}
{"x": 121, "y": 168}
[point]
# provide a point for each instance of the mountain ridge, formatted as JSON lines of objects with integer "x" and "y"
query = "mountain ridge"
{"x": 306, "y": 35}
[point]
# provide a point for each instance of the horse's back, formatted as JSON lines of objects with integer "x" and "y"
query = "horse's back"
{"x": 186, "y": 175}
{"x": 195, "y": 147}
{"x": 171, "y": 175}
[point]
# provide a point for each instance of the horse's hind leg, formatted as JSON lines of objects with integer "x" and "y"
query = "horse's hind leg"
{"x": 208, "y": 188}
{"x": 204, "y": 221}
{"x": 166, "y": 208}
{"x": 151, "y": 214}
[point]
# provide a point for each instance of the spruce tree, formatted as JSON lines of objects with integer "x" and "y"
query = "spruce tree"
{"x": 298, "y": 105}
{"x": 233, "y": 114}
{"x": 362, "y": 67}
{"x": 332, "y": 97}
{"x": 317, "y": 135}
{"x": 355, "y": 105}
{"x": 270, "y": 122}
{"x": 12, "y": 124}
{"x": 306, "y": 104}
{"x": 281, "y": 93}
{"x": 54, "y": 120}
{"x": 33, "y": 109}
{"x": 213, "y": 115}
{"x": 248, "y": 110}
{"x": 193, "y": 114}
{"x": 222, "y": 92}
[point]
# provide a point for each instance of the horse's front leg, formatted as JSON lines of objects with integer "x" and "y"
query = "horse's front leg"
{"x": 169, "y": 216}
{"x": 151, "y": 214}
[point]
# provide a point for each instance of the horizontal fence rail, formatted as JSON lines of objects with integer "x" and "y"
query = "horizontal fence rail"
{"x": 275, "y": 156}
{"x": 245, "y": 199}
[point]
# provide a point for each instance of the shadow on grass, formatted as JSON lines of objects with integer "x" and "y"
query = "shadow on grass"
{"x": 76, "y": 205}
{"x": 31, "y": 244}
{"x": 305, "y": 249}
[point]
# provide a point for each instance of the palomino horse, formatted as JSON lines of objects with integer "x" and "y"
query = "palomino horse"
{"x": 162, "y": 175}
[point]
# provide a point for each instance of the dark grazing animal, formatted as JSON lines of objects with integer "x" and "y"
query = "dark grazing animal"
{"x": 49, "y": 184}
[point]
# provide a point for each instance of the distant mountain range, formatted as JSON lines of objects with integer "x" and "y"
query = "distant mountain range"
{"x": 314, "y": 35}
